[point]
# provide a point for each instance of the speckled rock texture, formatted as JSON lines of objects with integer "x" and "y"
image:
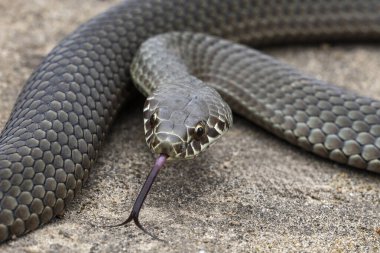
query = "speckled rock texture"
{"x": 249, "y": 192}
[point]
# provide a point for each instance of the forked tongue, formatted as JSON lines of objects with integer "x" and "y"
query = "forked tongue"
{"x": 134, "y": 215}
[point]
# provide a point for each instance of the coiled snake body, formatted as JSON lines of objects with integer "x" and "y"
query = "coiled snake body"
{"x": 64, "y": 111}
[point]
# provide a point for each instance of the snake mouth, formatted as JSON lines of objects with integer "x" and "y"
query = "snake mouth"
{"x": 168, "y": 144}
{"x": 175, "y": 148}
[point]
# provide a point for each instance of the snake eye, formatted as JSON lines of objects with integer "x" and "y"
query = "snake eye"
{"x": 199, "y": 130}
{"x": 153, "y": 120}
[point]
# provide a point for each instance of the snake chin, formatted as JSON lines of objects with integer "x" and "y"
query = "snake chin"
{"x": 179, "y": 146}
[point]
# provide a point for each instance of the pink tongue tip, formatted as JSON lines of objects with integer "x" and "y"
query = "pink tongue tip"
{"x": 161, "y": 160}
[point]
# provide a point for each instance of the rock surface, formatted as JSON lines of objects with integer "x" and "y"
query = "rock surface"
{"x": 250, "y": 192}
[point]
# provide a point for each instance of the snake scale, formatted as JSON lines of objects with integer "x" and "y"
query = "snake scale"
{"x": 66, "y": 107}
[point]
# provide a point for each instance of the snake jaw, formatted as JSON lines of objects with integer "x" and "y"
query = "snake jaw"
{"x": 167, "y": 144}
{"x": 177, "y": 139}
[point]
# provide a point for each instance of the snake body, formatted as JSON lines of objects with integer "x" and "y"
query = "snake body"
{"x": 66, "y": 107}
{"x": 319, "y": 117}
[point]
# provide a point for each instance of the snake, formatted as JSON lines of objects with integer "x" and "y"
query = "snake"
{"x": 66, "y": 107}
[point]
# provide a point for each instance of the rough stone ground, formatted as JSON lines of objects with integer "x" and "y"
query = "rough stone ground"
{"x": 250, "y": 192}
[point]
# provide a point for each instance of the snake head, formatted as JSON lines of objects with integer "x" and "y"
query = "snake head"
{"x": 183, "y": 120}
